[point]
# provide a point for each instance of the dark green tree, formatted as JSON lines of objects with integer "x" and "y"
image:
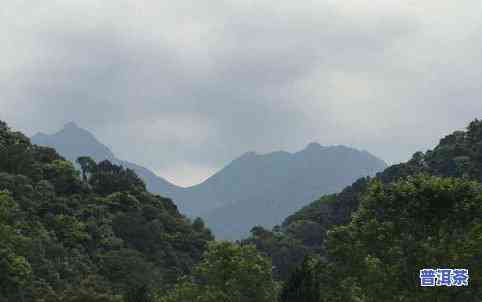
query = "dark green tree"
{"x": 139, "y": 294}
{"x": 303, "y": 284}
{"x": 87, "y": 165}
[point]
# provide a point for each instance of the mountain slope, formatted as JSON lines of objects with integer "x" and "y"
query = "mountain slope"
{"x": 73, "y": 142}
{"x": 457, "y": 155}
{"x": 252, "y": 189}
{"x": 95, "y": 238}
{"x": 271, "y": 186}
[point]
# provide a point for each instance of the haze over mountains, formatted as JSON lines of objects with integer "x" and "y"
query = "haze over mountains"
{"x": 254, "y": 189}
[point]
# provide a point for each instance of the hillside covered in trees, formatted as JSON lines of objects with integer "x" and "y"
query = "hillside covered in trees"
{"x": 369, "y": 242}
{"x": 91, "y": 236}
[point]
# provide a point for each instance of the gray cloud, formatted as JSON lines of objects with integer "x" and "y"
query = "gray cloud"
{"x": 183, "y": 87}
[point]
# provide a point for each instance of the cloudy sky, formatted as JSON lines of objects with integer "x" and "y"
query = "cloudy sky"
{"x": 183, "y": 87}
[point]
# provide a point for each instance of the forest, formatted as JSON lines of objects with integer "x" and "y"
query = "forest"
{"x": 95, "y": 234}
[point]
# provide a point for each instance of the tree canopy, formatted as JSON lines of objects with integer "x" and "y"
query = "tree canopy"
{"x": 401, "y": 228}
{"x": 97, "y": 235}
{"x": 228, "y": 273}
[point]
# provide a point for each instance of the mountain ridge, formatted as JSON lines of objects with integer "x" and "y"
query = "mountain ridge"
{"x": 278, "y": 181}
{"x": 87, "y": 144}
{"x": 303, "y": 232}
{"x": 296, "y": 178}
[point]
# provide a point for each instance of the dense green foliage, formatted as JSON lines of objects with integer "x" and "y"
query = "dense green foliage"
{"x": 303, "y": 284}
{"x": 98, "y": 237}
{"x": 228, "y": 273}
{"x": 399, "y": 229}
{"x": 285, "y": 251}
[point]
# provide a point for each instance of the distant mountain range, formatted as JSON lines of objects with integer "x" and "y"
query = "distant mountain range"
{"x": 254, "y": 189}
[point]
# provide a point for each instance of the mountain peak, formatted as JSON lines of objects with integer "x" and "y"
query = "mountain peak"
{"x": 72, "y": 141}
{"x": 313, "y": 146}
{"x": 71, "y": 125}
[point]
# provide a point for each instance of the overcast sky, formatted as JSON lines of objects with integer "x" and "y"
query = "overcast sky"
{"x": 183, "y": 87}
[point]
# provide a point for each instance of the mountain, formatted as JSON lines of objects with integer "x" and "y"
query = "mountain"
{"x": 254, "y": 189}
{"x": 458, "y": 155}
{"x": 270, "y": 186}
{"x": 72, "y": 142}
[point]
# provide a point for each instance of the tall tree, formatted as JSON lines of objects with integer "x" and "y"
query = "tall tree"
{"x": 87, "y": 165}
{"x": 303, "y": 284}
{"x": 228, "y": 273}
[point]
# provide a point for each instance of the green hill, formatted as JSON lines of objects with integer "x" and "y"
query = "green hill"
{"x": 95, "y": 237}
